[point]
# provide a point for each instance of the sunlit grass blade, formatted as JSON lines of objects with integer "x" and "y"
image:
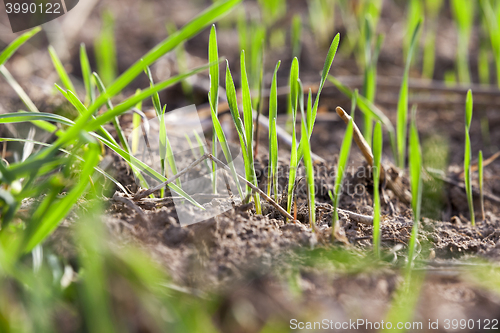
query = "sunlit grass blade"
{"x": 272, "y": 172}
{"x": 213, "y": 56}
{"x": 341, "y": 168}
{"x": 248, "y": 124}
{"x": 415, "y": 166}
{"x": 61, "y": 71}
{"x": 324, "y": 75}
{"x": 377, "y": 157}
{"x": 87, "y": 76}
{"x": 115, "y": 120}
{"x": 98, "y": 169}
{"x": 18, "y": 42}
{"x": 133, "y": 100}
{"x": 403, "y": 102}
{"x": 294, "y": 161}
{"x": 308, "y": 164}
{"x": 225, "y": 147}
{"x": 468, "y": 155}
{"x": 212, "y": 14}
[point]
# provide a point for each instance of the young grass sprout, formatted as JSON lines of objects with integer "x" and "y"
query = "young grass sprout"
{"x": 468, "y": 155}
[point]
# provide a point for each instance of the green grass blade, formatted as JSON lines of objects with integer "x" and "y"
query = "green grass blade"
{"x": 468, "y": 155}
{"x": 20, "y": 117}
{"x": 62, "y": 208}
{"x": 87, "y": 76}
{"x": 101, "y": 171}
{"x": 308, "y": 163}
{"x": 415, "y": 165}
{"x": 272, "y": 173}
{"x": 63, "y": 75}
{"x": 341, "y": 168}
{"x": 133, "y": 100}
{"x": 294, "y": 161}
{"x": 403, "y": 102}
{"x": 18, "y": 42}
{"x": 115, "y": 120}
{"x": 377, "y": 157}
{"x": 326, "y": 70}
{"x": 213, "y": 56}
{"x": 248, "y": 124}
{"x": 225, "y": 147}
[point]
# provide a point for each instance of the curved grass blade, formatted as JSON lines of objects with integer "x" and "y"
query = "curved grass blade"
{"x": 63, "y": 75}
{"x": 18, "y": 42}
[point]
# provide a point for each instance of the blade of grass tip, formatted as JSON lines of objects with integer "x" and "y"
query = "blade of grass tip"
{"x": 377, "y": 156}
{"x": 324, "y": 75}
{"x": 248, "y": 123}
{"x": 63, "y": 75}
{"x": 293, "y": 98}
{"x": 213, "y": 56}
{"x": 212, "y": 14}
{"x": 235, "y": 113}
{"x": 341, "y": 167}
{"x": 225, "y": 148}
{"x": 403, "y": 102}
{"x": 272, "y": 180}
{"x": 468, "y": 155}
{"x": 415, "y": 161}
{"x": 18, "y": 42}
{"x": 481, "y": 182}
{"x": 87, "y": 76}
